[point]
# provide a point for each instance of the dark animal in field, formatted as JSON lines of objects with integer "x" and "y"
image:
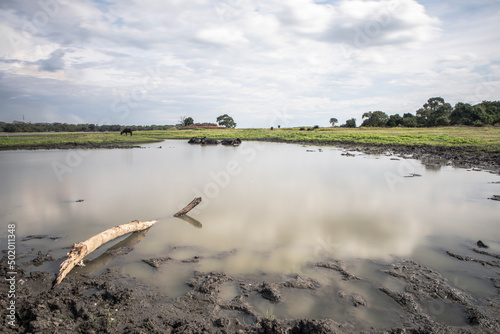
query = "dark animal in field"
{"x": 126, "y": 130}
{"x": 233, "y": 142}
{"x": 194, "y": 140}
{"x": 209, "y": 141}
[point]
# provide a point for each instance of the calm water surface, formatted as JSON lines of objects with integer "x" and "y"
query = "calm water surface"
{"x": 267, "y": 208}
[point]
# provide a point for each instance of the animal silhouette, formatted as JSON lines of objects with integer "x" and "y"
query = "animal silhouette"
{"x": 126, "y": 130}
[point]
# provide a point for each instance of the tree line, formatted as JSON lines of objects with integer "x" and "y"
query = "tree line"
{"x": 436, "y": 112}
{"x": 65, "y": 127}
{"x": 16, "y": 126}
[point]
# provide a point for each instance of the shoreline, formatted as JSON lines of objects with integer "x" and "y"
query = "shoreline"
{"x": 436, "y": 155}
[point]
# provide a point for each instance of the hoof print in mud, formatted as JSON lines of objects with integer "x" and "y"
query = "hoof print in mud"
{"x": 41, "y": 258}
{"x": 358, "y": 300}
{"x": 208, "y": 283}
{"x": 299, "y": 282}
{"x": 157, "y": 262}
{"x": 269, "y": 292}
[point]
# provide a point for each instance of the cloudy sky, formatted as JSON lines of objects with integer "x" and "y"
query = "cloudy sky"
{"x": 263, "y": 62}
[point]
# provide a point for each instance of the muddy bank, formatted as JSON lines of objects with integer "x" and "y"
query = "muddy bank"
{"x": 110, "y": 302}
{"x": 430, "y": 155}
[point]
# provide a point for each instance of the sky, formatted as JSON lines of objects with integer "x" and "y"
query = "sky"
{"x": 263, "y": 62}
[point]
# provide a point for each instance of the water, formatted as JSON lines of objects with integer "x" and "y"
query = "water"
{"x": 267, "y": 208}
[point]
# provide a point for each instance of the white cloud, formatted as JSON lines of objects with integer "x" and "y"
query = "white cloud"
{"x": 222, "y": 36}
{"x": 248, "y": 58}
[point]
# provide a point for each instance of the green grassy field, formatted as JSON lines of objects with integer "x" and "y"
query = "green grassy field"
{"x": 485, "y": 139}
{"x": 76, "y": 137}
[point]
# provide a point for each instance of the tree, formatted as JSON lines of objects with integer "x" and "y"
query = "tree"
{"x": 395, "y": 120}
{"x": 333, "y": 121}
{"x": 434, "y": 113}
{"x": 409, "y": 120}
{"x": 186, "y": 121}
{"x": 350, "y": 123}
{"x": 227, "y": 121}
{"x": 488, "y": 112}
{"x": 375, "y": 118}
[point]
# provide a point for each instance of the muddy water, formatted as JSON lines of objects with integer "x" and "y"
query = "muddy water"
{"x": 267, "y": 208}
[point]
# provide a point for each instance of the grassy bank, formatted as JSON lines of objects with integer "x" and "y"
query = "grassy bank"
{"x": 77, "y": 138}
{"x": 485, "y": 139}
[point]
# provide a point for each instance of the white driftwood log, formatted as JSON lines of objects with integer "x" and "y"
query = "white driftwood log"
{"x": 82, "y": 249}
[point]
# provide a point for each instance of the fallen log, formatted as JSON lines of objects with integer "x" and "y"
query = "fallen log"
{"x": 123, "y": 247}
{"x": 82, "y": 249}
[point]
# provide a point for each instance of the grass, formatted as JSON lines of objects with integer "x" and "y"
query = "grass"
{"x": 483, "y": 139}
{"x": 486, "y": 139}
{"x": 76, "y": 137}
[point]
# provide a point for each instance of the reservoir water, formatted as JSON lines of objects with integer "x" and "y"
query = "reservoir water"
{"x": 267, "y": 208}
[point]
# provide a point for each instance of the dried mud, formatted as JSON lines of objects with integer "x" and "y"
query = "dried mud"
{"x": 111, "y": 302}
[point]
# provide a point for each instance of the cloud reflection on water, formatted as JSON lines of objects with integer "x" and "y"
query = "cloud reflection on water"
{"x": 283, "y": 207}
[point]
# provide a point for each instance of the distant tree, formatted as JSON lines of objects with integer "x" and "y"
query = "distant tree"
{"x": 436, "y": 112}
{"x": 186, "y": 121}
{"x": 333, "y": 121}
{"x": 375, "y": 118}
{"x": 227, "y": 121}
{"x": 395, "y": 120}
{"x": 350, "y": 123}
{"x": 409, "y": 120}
{"x": 488, "y": 112}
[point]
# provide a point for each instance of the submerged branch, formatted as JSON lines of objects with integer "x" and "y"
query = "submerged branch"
{"x": 188, "y": 207}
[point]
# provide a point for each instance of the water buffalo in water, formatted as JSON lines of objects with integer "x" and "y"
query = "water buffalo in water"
{"x": 209, "y": 141}
{"x": 234, "y": 142}
{"x": 194, "y": 140}
{"x": 125, "y": 131}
